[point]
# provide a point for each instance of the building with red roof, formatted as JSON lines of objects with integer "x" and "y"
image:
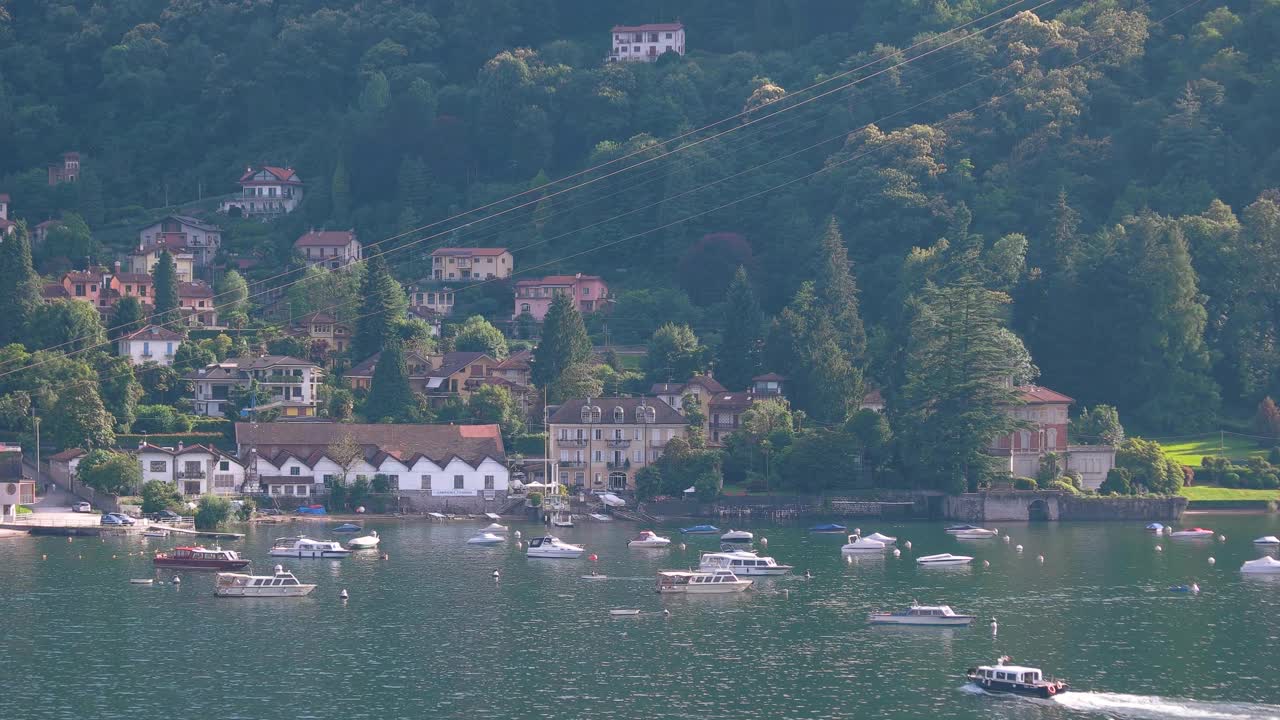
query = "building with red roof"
{"x": 266, "y": 191}
{"x": 331, "y": 249}
{"x": 645, "y": 43}
{"x": 534, "y": 296}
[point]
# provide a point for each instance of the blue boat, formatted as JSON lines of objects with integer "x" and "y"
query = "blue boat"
{"x": 1155, "y": 527}
{"x": 348, "y": 528}
{"x": 700, "y": 530}
{"x": 829, "y": 528}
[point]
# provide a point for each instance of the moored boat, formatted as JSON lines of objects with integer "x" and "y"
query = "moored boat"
{"x": 1155, "y": 527}
{"x": 741, "y": 563}
{"x": 550, "y": 546}
{"x": 281, "y": 584}
{"x": 700, "y": 530}
{"x": 976, "y": 534}
{"x": 700, "y": 583}
{"x": 156, "y": 533}
{"x": 485, "y": 539}
{"x": 737, "y": 536}
{"x": 861, "y": 544}
{"x": 304, "y": 547}
{"x": 943, "y": 559}
{"x": 879, "y": 537}
{"x": 1015, "y": 679}
{"x": 494, "y": 528}
{"x": 649, "y": 539}
{"x": 953, "y": 529}
{"x": 348, "y": 528}
{"x": 365, "y": 542}
{"x": 200, "y": 558}
{"x": 562, "y": 520}
{"x": 829, "y": 528}
{"x": 1267, "y": 540}
{"x": 1197, "y": 532}
{"x": 937, "y": 615}
{"x": 1265, "y": 565}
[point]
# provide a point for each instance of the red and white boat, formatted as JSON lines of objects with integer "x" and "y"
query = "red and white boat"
{"x": 200, "y": 558}
{"x": 1192, "y": 533}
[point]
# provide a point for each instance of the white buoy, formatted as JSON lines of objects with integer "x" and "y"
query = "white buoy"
{"x": 1007, "y": 538}
{"x": 907, "y": 544}
{"x": 343, "y": 595}
{"x": 496, "y": 574}
{"x": 1212, "y": 561}
{"x": 683, "y": 546}
{"x": 177, "y": 580}
{"x": 1040, "y": 558}
{"x": 1195, "y": 588}
{"x": 986, "y": 563}
{"x": 808, "y": 575}
{"x": 857, "y": 531}
{"x": 666, "y": 612}
{"x": 995, "y": 530}
{"x": 897, "y": 552}
{"x": 1159, "y": 549}
{"x": 995, "y": 626}
{"x": 1018, "y": 548}
{"x": 764, "y": 541}
{"x": 517, "y": 534}
{"x": 1222, "y": 538}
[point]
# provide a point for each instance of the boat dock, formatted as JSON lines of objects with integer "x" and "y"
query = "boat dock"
{"x": 55, "y": 524}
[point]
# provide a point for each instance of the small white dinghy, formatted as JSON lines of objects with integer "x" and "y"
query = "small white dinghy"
{"x": 976, "y": 534}
{"x": 861, "y": 544}
{"x": 737, "y": 536}
{"x": 494, "y": 528}
{"x": 622, "y": 612}
{"x": 943, "y": 559}
{"x": 364, "y": 542}
{"x": 485, "y": 539}
{"x": 1265, "y": 565}
{"x": 882, "y": 538}
{"x": 1267, "y": 540}
{"x": 1192, "y": 533}
{"x": 142, "y": 581}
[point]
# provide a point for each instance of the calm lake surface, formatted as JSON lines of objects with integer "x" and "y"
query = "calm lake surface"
{"x": 430, "y": 634}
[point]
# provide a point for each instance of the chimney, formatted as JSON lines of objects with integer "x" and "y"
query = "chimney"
{"x": 179, "y": 446}
{"x": 117, "y": 266}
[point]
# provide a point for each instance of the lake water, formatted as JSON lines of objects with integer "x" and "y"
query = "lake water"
{"x": 430, "y": 634}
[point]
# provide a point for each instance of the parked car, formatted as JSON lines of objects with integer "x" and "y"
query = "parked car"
{"x": 82, "y": 507}
{"x": 121, "y": 517}
{"x": 113, "y": 519}
{"x": 167, "y": 516}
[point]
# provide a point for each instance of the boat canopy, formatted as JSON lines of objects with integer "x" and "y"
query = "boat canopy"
{"x": 829, "y": 527}
{"x": 612, "y": 500}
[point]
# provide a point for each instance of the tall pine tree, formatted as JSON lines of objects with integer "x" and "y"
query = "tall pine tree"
{"x": 837, "y": 293}
{"x": 19, "y": 286}
{"x": 564, "y": 342}
{"x": 381, "y": 311}
{"x": 165, "y": 278}
{"x": 738, "y": 359}
{"x": 390, "y": 396}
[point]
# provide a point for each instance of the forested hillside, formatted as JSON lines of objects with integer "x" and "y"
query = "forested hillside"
{"x": 1102, "y": 176}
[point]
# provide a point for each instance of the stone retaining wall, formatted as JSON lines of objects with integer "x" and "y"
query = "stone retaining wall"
{"x": 1122, "y": 508}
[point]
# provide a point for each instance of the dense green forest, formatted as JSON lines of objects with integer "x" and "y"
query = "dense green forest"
{"x": 1098, "y": 177}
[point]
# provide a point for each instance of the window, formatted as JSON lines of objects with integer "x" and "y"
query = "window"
{"x": 394, "y": 481}
{"x": 457, "y": 482}
{"x": 668, "y": 37}
{"x": 599, "y": 434}
{"x": 328, "y": 479}
{"x": 426, "y": 482}
{"x": 524, "y": 307}
{"x": 159, "y": 466}
{"x": 599, "y": 456}
{"x": 295, "y": 470}
{"x": 224, "y": 465}
{"x": 579, "y": 478}
{"x": 146, "y": 349}
{"x": 637, "y": 456}
{"x": 363, "y": 477}
{"x": 488, "y": 482}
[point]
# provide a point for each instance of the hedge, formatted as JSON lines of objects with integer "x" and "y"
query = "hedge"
{"x": 127, "y": 442}
{"x": 532, "y": 445}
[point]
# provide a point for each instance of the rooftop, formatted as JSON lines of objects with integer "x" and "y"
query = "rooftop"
{"x": 1036, "y": 395}
{"x": 652, "y": 27}
{"x": 465, "y": 251}
{"x": 186, "y": 220}
{"x": 286, "y": 175}
{"x": 570, "y": 412}
{"x": 558, "y": 280}
{"x": 325, "y": 238}
{"x": 195, "y": 289}
{"x": 471, "y": 443}
{"x": 153, "y": 332}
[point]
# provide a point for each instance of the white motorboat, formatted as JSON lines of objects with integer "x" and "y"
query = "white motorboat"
{"x": 953, "y": 529}
{"x": 365, "y": 542}
{"x": 977, "y": 534}
{"x": 700, "y": 583}
{"x": 1263, "y": 565}
{"x": 281, "y": 584}
{"x": 940, "y": 615}
{"x": 943, "y": 559}
{"x": 1192, "y": 533}
{"x": 1267, "y": 540}
{"x": 156, "y": 533}
{"x": 600, "y": 518}
{"x": 494, "y": 528}
{"x": 887, "y": 540}
{"x": 1015, "y": 679}
{"x": 304, "y": 547}
{"x": 562, "y": 520}
{"x": 649, "y": 539}
{"x": 486, "y": 539}
{"x": 861, "y": 544}
{"x": 741, "y": 563}
{"x": 1155, "y": 527}
{"x": 550, "y": 546}
{"x": 737, "y": 536}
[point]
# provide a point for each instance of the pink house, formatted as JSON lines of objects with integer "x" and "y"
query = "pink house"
{"x": 535, "y": 296}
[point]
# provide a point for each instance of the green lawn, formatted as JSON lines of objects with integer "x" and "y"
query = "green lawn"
{"x": 1190, "y": 452}
{"x": 1217, "y": 493}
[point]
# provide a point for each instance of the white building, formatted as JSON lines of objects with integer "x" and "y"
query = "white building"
{"x": 194, "y": 470}
{"x": 189, "y": 234}
{"x": 331, "y": 249}
{"x": 601, "y": 443}
{"x": 265, "y": 192}
{"x": 150, "y": 344}
{"x": 646, "y": 43}
{"x": 292, "y": 383}
{"x": 428, "y": 466}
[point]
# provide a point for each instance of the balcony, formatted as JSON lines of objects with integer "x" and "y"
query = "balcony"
{"x": 573, "y": 463}
{"x": 282, "y": 379}
{"x": 617, "y": 443}
{"x": 624, "y": 465}
{"x": 572, "y": 442}
{"x": 191, "y": 475}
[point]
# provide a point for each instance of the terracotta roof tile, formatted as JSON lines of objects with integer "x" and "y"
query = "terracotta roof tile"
{"x": 325, "y": 238}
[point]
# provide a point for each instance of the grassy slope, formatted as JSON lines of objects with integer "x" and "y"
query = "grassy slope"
{"x": 1190, "y": 452}
{"x": 1216, "y": 493}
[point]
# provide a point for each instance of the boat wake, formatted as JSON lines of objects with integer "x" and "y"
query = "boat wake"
{"x": 1152, "y": 707}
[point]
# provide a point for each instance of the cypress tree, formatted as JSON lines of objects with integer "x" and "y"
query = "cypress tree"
{"x": 19, "y": 286}
{"x": 126, "y": 317}
{"x": 165, "y": 278}
{"x": 564, "y": 342}
{"x": 390, "y": 396}
{"x": 382, "y": 309}
{"x": 739, "y": 356}
{"x": 837, "y": 293}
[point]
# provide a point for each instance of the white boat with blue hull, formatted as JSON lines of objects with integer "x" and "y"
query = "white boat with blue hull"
{"x": 1015, "y": 679}
{"x": 934, "y": 615}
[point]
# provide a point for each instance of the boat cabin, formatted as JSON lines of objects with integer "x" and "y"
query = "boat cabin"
{"x": 280, "y": 579}
{"x": 931, "y": 611}
{"x": 668, "y": 580}
{"x": 1010, "y": 673}
{"x": 547, "y": 540}
{"x": 736, "y": 560}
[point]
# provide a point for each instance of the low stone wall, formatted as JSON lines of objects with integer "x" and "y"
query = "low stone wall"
{"x": 424, "y": 501}
{"x": 1121, "y": 508}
